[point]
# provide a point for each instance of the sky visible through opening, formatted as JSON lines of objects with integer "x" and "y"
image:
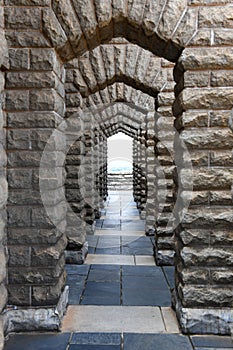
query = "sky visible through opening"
{"x": 120, "y": 153}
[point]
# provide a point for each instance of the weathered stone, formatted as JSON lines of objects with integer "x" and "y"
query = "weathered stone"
{"x": 35, "y": 119}
{"x": 46, "y": 100}
{"x": 214, "y": 98}
{"x": 185, "y": 29}
{"x": 19, "y": 58}
{"x": 219, "y": 118}
{"x": 17, "y": 100}
{"x": 22, "y": 18}
{"x": 201, "y": 38}
{"x": 222, "y": 78}
{"x": 210, "y": 58}
{"x": 37, "y": 319}
{"x": 19, "y": 256}
{"x": 26, "y": 39}
{"x": 87, "y": 18}
{"x": 201, "y": 296}
{"x": 52, "y": 29}
{"x": 220, "y": 16}
{"x": 205, "y": 138}
{"x": 222, "y": 277}
{"x": 27, "y": 2}
{"x": 45, "y": 236}
{"x": 170, "y": 17}
{"x": 19, "y": 295}
{"x": 31, "y": 275}
{"x": 205, "y": 321}
{"x": 198, "y": 276}
{"x": 48, "y": 295}
{"x": 223, "y": 36}
{"x": 207, "y": 256}
{"x": 19, "y": 216}
{"x": 221, "y": 218}
{"x": 50, "y": 256}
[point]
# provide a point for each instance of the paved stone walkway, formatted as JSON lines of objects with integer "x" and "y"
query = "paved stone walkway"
{"x": 119, "y": 299}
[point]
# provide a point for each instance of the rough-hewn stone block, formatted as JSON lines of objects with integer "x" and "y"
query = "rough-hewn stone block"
{"x": 207, "y": 58}
{"x": 22, "y": 18}
{"x": 19, "y": 256}
{"x": 17, "y": 100}
{"x": 219, "y": 16}
{"x": 19, "y": 58}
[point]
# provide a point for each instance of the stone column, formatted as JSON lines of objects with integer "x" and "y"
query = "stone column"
{"x": 76, "y": 249}
{"x": 34, "y": 106}
{"x": 151, "y": 175}
{"x": 89, "y": 174}
{"x": 4, "y": 64}
{"x": 164, "y": 239}
{"x": 143, "y": 181}
{"x": 203, "y": 293}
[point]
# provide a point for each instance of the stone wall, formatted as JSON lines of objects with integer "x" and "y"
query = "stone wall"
{"x": 4, "y": 64}
{"x": 72, "y": 58}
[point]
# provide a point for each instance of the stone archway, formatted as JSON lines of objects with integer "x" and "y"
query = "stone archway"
{"x": 35, "y": 101}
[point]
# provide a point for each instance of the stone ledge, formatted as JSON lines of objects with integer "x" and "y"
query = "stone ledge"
{"x": 203, "y": 321}
{"x": 20, "y": 319}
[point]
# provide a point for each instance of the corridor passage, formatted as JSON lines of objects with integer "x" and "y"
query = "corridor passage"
{"x": 119, "y": 299}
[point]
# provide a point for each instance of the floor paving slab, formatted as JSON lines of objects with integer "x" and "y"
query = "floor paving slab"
{"x": 106, "y": 232}
{"x": 169, "y": 272}
{"x": 101, "y": 293}
{"x": 156, "y": 342}
{"x": 109, "y": 259}
{"x": 103, "y": 275}
{"x": 38, "y": 341}
{"x": 144, "y": 260}
{"x": 145, "y": 291}
{"x": 95, "y": 347}
{"x": 89, "y": 318}
{"x": 170, "y": 320}
{"x": 212, "y": 341}
{"x": 96, "y": 338}
{"x": 145, "y": 271}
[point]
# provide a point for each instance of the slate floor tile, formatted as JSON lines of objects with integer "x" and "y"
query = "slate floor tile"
{"x": 113, "y": 251}
{"x": 94, "y": 347}
{"x": 150, "y": 271}
{"x": 156, "y": 342}
{"x": 215, "y": 348}
{"x": 104, "y": 275}
{"x": 145, "y": 291}
{"x": 136, "y": 251}
{"x": 77, "y": 269}
{"x": 75, "y": 295}
{"x": 212, "y": 341}
{"x": 170, "y": 275}
{"x": 38, "y": 342}
{"x": 101, "y": 293}
{"x": 96, "y": 338}
{"x": 75, "y": 280}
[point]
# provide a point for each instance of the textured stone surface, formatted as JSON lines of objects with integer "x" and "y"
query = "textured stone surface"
{"x": 115, "y": 83}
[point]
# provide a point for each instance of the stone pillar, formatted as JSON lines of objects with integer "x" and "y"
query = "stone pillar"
{"x": 95, "y": 154}
{"x": 143, "y": 181}
{"x": 34, "y": 106}
{"x": 76, "y": 249}
{"x": 4, "y": 64}
{"x": 164, "y": 237}
{"x": 151, "y": 175}
{"x": 203, "y": 292}
{"x": 137, "y": 171}
{"x": 134, "y": 168}
{"x": 89, "y": 174}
